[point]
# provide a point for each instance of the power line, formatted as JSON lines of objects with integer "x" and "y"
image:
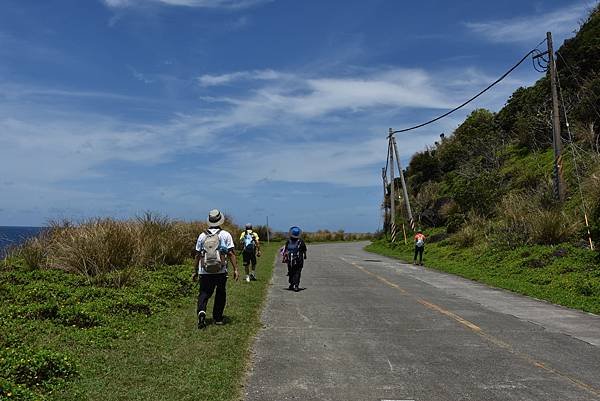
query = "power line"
{"x": 583, "y": 203}
{"x": 472, "y": 98}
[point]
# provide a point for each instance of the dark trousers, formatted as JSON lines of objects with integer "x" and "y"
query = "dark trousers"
{"x": 208, "y": 284}
{"x": 294, "y": 272}
{"x": 249, "y": 258}
{"x": 419, "y": 251}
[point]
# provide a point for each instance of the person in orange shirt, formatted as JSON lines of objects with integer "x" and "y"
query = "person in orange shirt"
{"x": 419, "y": 247}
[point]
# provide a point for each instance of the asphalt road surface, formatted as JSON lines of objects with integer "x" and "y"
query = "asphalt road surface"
{"x": 366, "y": 327}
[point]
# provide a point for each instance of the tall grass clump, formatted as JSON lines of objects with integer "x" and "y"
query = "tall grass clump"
{"x": 108, "y": 251}
{"x": 525, "y": 220}
{"x": 471, "y": 233}
{"x": 94, "y": 247}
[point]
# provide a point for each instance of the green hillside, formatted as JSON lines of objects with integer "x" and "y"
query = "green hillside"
{"x": 484, "y": 194}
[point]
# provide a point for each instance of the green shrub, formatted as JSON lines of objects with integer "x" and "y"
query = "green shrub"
{"x": 35, "y": 368}
{"x": 78, "y": 316}
{"x": 12, "y": 391}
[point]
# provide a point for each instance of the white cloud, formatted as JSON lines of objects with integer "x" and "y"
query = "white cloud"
{"x": 560, "y": 22}
{"x": 224, "y": 79}
{"x": 286, "y": 116}
{"x": 230, "y": 4}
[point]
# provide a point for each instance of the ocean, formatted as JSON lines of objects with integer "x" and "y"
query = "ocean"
{"x": 15, "y": 235}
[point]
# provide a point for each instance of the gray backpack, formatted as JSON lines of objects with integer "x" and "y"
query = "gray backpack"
{"x": 212, "y": 255}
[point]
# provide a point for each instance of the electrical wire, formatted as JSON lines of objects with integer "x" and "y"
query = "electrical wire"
{"x": 472, "y": 98}
{"x": 575, "y": 165}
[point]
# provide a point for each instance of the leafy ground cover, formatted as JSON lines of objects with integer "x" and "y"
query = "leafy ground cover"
{"x": 63, "y": 337}
{"x": 562, "y": 274}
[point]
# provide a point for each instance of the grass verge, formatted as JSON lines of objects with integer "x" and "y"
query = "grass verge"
{"x": 562, "y": 274}
{"x": 64, "y": 338}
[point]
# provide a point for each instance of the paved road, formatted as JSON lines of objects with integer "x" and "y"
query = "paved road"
{"x": 370, "y": 328}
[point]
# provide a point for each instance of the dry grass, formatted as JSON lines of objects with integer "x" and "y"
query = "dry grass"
{"x": 109, "y": 251}
{"x": 472, "y": 232}
{"x": 526, "y": 220}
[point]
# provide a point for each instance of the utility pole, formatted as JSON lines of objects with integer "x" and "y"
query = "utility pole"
{"x": 559, "y": 183}
{"x": 404, "y": 191}
{"x": 386, "y": 222}
{"x": 392, "y": 192}
{"x": 268, "y": 236}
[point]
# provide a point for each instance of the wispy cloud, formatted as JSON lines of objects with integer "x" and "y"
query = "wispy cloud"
{"x": 224, "y": 79}
{"x": 530, "y": 28}
{"x": 228, "y": 4}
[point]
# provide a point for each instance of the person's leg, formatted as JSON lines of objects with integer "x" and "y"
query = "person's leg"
{"x": 290, "y": 275}
{"x": 246, "y": 260}
{"x": 253, "y": 262}
{"x": 296, "y": 276}
{"x": 416, "y": 253}
{"x": 207, "y": 286}
{"x": 421, "y": 249}
{"x": 220, "y": 297}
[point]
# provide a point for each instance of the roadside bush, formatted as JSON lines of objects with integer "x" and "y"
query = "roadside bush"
{"x": 12, "y": 391}
{"x": 33, "y": 251}
{"x": 106, "y": 251}
{"x": 94, "y": 247}
{"x": 471, "y": 233}
{"x": 35, "y": 368}
{"x": 524, "y": 221}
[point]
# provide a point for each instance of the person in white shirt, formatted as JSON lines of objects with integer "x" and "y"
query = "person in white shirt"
{"x": 213, "y": 278}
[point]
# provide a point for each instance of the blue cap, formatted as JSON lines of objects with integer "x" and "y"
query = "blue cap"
{"x": 295, "y": 232}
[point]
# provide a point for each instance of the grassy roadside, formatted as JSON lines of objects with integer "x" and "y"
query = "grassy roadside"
{"x": 562, "y": 274}
{"x": 140, "y": 342}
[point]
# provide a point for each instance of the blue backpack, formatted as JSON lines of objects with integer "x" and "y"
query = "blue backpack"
{"x": 293, "y": 252}
{"x": 249, "y": 243}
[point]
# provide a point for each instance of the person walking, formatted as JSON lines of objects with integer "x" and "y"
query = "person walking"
{"x": 214, "y": 248}
{"x": 250, "y": 250}
{"x": 294, "y": 255}
{"x": 419, "y": 247}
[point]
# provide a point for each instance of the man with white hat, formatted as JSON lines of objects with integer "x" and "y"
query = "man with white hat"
{"x": 214, "y": 248}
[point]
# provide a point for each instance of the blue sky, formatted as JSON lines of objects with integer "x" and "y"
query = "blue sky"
{"x": 260, "y": 108}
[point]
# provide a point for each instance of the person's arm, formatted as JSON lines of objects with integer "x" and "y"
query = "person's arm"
{"x": 196, "y": 266}
{"x": 303, "y": 248}
{"x": 228, "y": 243}
{"x": 197, "y": 257}
{"x": 256, "y": 239}
{"x": 233, "y": 259}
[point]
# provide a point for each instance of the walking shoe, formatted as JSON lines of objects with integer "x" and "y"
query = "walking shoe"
{"x": 296, "y": 288}
{"x": 247, "y": 279}
{"x": 253, "y": 277}
{"x": 220, "y": 322}
{"x": 291, "y": 287}
{"x": 201, "y": 319}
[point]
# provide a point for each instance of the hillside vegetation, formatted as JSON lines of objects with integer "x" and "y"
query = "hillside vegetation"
{"x": 487, "y": 189}
{"x": 104, "y": 309}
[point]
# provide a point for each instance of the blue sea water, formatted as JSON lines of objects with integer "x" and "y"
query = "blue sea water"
{"x": 16, "y": 235}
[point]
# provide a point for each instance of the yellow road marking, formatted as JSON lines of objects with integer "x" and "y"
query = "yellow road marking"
{"x": 476, "y": 329}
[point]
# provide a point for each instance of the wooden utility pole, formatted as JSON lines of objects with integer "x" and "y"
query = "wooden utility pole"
{"x": 404, "y": 191}
{"x": 268, "y": 236}
{"x": 392, "y": 193}
{"x": 386, "y": 217}
{"x": 559, "y": 183}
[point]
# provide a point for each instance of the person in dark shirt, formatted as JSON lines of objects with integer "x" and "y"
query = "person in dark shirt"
{"x": 295, "y": 255}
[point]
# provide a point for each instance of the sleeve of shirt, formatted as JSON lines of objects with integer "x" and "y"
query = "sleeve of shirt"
{"x": 228, "y": 241}
{"x": 199, "y": 242}
{"x": 255, "y": 236}
{"x": 242, "y": 236}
